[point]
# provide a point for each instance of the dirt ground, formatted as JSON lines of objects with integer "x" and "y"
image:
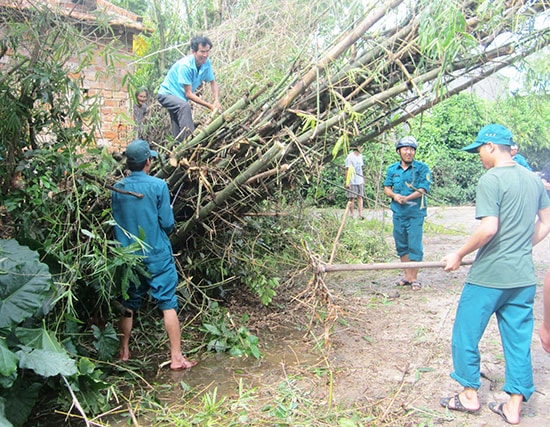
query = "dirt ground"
{"x": 392, "y": 347}
{"x": 389, "y": 348}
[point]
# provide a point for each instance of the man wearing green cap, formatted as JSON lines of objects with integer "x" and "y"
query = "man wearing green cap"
{"x": 502, "y": 278}
{"x": 142, "y": 212}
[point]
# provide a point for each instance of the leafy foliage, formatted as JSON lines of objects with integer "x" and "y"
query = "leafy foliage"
{"x": 223, "y": 335}
{"x": 25, "y": 285}
{"x": 47, "y": 123}
{"x": 527, "y": 117}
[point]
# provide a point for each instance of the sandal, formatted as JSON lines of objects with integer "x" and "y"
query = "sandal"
{"x": 416, "y": 286}
{"x": 497, "y": 409}
{"x": 403, "y": 282}
{"x": 457, "y": 404}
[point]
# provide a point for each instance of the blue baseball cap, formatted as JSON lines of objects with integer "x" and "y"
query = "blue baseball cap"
{"x": 497, "y": 134}
{"x": 138, "y": 151}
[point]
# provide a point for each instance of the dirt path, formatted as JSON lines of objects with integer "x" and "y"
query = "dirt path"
{"x": 392, "y": 348}
{"x": 389, "y": 353}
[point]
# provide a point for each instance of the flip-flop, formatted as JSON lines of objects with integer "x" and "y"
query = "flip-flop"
{"x": 416, "y": 286}
{"x": 497, "y": 409}
{"x": 458, "y": 406}
{"x": 403, "y": 282}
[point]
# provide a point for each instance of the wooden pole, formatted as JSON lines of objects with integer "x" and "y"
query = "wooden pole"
{"x": 328, "y": 268}
{"x": 335, "y": 244}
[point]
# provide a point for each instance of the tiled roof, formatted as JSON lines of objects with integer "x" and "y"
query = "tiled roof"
{"x": 84, "y": 10}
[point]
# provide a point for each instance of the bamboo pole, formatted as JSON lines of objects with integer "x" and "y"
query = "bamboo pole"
{"x": 216, "y": 124}
{"x": 369, "y": 20}
{"x": 329, "y": 268}
{"x": 258, "y": 166}
{"x": 342, "y": 224}
{"x": 313, "y": 73}
{"x": 469, "y": 82}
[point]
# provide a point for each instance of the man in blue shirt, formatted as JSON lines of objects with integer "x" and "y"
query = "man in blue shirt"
{"x": 518, "y": 158}
{"x": 180, "y": 84}
{"x": 142, "y": 212}
{"x": 407, "y": 183}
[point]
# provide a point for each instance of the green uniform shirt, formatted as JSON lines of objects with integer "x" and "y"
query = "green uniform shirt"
{"x": 513, "y": 195}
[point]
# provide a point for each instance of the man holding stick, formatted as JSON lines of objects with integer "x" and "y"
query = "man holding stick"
{"x": 141, "y": 209}
{"x": 502, "y": 278}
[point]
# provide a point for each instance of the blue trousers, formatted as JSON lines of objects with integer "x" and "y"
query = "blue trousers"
{"x": 514, "y": 312}
{"x": 407, "y": 233}
{"x": 161, "y": 285}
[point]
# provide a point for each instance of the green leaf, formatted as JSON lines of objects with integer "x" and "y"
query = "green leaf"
{"x": 8, "y": 359}
{"x": 47, "y": 363}
{"x": 21, "y": 400}
{"x": 24, "y": 283}
{"x": 106, "y": 342}
{"x": 218, "y": 345}
{"x": 255, "y": 352}
{"x": 3, "y": 420}
{"x": 253, "y": 339}
{"x": 39, "y": 339}
{"x": 236, "y": 352}
{"x": 212, "y": 329}
{"x": 85, "y": 366}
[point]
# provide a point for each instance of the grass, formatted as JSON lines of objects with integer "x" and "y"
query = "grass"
{"x": 303, "y": 395}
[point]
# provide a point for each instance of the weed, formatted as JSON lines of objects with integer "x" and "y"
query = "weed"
{"x": 223, "y": 335}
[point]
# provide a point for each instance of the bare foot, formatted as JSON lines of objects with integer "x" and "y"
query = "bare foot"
{"x": 182, "y": 364}
{"x": 124, "y": 354}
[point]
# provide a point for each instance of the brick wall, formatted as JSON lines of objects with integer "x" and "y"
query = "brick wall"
{"x": 115, "y": 111}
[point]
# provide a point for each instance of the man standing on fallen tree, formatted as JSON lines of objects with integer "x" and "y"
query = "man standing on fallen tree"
{"x": 502, "y": 278}
{"x": 180, "y": 84}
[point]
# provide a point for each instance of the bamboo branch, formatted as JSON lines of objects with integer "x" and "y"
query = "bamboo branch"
{"x": 110, "y": 187}
{"x": 256, "y": 167}
{"x": 76, "y": 403}
{"x": 367, "y": 22}
{"x": 216, "y": 124}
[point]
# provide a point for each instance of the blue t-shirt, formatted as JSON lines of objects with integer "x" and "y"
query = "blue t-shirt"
{"x": 150, "y": 218}
{"x": 520, "y": 160}
{"x": 405, "y": 182}
{"x": 184, "y": 72}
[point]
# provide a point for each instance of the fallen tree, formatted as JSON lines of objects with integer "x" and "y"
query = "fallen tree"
{"x": 394, "y": 62}
{"x": 397, "y": 71}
